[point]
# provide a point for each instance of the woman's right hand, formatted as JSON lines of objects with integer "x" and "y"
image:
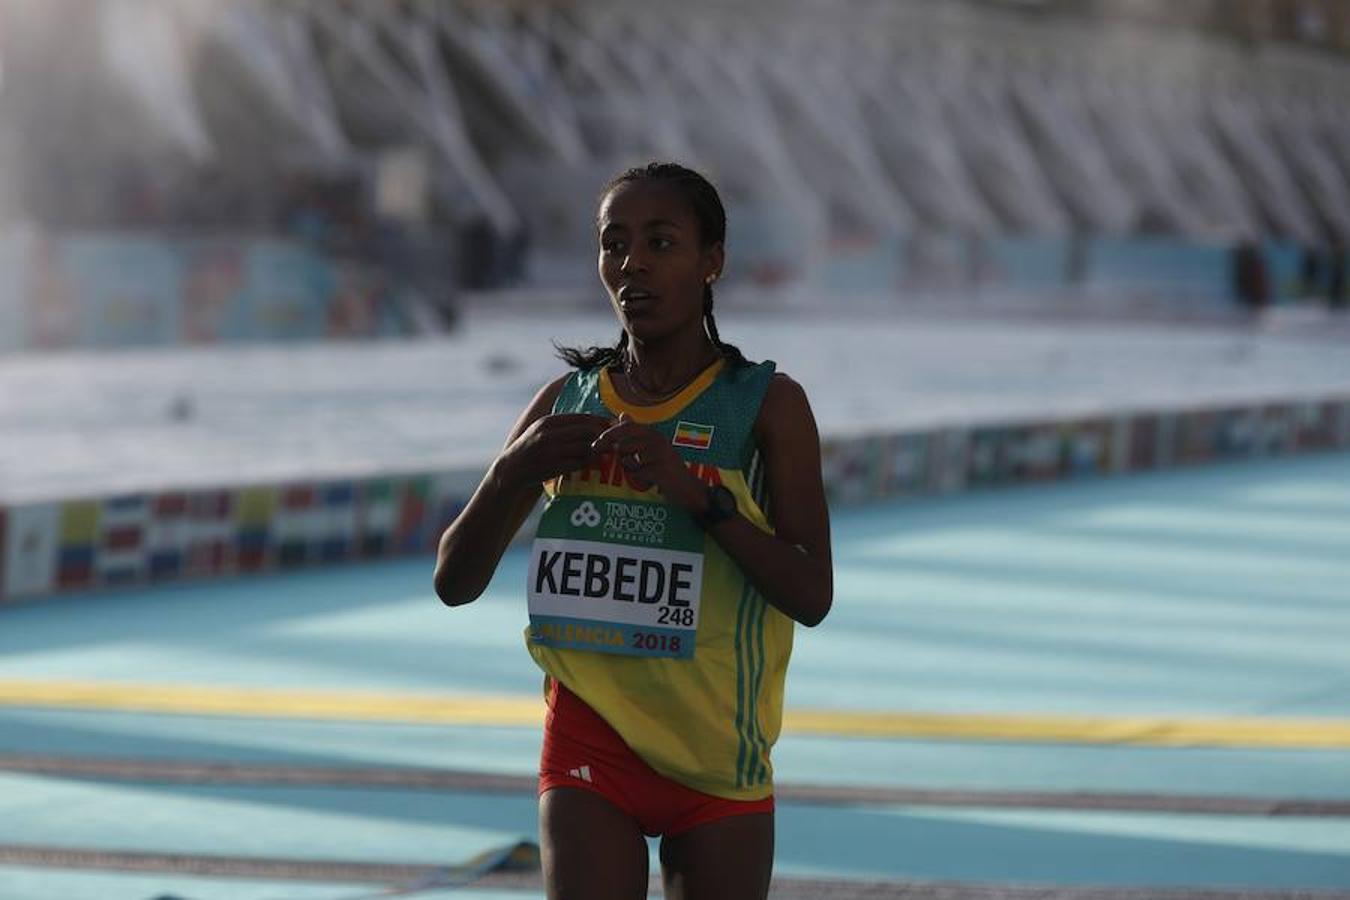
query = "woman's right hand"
{"x": 552, "y": 445}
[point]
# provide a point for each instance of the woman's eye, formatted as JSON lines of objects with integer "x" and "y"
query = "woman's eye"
{"x": 612, "y": 246}
{"x": 659, "y": 243}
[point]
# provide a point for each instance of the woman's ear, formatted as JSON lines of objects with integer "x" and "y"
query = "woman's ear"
{"x": 716, "y": 259}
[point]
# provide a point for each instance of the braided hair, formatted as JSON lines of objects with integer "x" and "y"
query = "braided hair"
{"x": 712, "y": 229}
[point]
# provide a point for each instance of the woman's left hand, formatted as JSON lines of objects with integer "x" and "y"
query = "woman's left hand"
{"x": 649, "y": 459}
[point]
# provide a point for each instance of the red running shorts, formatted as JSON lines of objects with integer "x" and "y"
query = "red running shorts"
{"x": 582, "y": 751}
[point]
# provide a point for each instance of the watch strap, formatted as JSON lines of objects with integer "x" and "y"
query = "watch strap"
{"x": 721, "y": 506}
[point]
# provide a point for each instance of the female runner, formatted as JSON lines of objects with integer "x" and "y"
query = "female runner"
{"x": 684, "y": 534}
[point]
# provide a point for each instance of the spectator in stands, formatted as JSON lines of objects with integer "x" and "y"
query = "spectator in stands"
{"x": 1251, "y": 284}
{"x": 1338, "y": 291}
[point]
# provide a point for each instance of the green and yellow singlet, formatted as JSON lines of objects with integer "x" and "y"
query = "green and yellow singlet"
{"x": 642, "y": 615}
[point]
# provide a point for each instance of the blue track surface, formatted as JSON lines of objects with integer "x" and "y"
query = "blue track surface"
{"x": 1210, "y": 593}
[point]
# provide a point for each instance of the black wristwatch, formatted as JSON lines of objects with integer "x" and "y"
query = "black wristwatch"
{"x": 721, "y": 506}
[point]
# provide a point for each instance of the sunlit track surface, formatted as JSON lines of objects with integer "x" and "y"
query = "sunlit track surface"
{"x": 783, "y": 888}
{"x": 162, "y": 771}
{"x": 276, "y": 721}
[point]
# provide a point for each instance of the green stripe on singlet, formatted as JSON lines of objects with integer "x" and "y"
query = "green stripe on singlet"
{"x": 749, "y": 665}
{"x": 753, "y": 765}
{"x": 761, "y": 771}
{"x": 742, "y": 749}
{"x": 746, "y": 635}
{"x": 756, "y": 481}
{"x": 756, "y": 650}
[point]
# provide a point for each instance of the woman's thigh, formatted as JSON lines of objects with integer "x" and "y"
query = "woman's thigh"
{"x": 729, "y": 859}
{"x": 591, "y": 849}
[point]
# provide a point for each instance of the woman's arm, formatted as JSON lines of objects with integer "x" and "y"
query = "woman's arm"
{"x": 792, "y": 567}
{"x": 541, "y": 446}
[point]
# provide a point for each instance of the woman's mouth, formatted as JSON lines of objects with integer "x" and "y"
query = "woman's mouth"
{"x": 635, "y": 298}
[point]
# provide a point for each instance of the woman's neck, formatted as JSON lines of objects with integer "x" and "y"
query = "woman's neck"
{"x": 661, "y": 369}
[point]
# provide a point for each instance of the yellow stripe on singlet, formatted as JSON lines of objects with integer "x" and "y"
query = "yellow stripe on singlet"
{"x": 1306, "y": 733}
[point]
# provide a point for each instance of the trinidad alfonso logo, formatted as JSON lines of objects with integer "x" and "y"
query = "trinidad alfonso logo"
{"x": 586, "y": 514}
{"x": 694, "y": 436}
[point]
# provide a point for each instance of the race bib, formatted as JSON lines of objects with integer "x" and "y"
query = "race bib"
{"x": 616, "y": 576}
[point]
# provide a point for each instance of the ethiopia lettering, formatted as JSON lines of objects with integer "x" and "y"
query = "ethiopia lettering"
{"x": 607, "y": 470}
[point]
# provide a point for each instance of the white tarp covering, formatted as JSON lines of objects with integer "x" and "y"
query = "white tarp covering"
{"x": 896, "y": 116}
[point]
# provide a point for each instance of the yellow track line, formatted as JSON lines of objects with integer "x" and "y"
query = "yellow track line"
{"x": 1322, "y": 734}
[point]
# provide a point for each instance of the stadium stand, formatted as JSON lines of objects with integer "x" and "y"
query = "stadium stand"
{"x": 457, "y": 143}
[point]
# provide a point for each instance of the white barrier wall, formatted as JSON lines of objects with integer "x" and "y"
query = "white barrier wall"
{"x": 88, "y": 543}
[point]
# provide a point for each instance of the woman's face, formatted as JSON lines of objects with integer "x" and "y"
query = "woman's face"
{"x": 652, "y": 261}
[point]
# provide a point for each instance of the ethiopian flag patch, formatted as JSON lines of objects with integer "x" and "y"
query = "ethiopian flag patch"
{"x": 697, "y": 437}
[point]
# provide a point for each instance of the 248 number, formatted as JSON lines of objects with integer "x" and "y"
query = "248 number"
{"x": 670, "y": 615}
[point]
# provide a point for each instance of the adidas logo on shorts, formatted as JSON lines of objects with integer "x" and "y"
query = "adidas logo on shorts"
{"x": 583, "y": 773}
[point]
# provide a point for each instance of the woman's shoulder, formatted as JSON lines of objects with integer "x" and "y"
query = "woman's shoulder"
{"x": 545, "y": 399}
{"x": 554, "y": 388}
{"x": 740, "y": 371}
{"x": 576, "y": 390}
{"x": 782, "y": 387}
{"x": 785, "y": 412}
